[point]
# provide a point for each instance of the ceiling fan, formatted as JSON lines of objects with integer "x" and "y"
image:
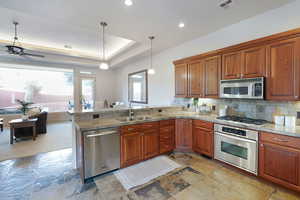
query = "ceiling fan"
{"x": 18, "y": 50}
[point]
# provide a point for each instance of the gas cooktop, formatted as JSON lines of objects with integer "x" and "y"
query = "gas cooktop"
{"x": 244, "y": 120}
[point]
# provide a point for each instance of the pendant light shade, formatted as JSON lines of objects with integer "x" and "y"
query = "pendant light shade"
{"x": 151, "y": 70}
{"x": 103, "y": 65}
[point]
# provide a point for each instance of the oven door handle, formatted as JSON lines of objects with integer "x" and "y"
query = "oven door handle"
{"x": 236, "y": 138}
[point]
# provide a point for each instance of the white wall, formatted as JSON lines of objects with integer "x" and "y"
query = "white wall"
{"x": 161, "y": 85}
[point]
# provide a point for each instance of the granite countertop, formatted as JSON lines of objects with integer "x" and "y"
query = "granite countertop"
{"x": 114, "y": 122}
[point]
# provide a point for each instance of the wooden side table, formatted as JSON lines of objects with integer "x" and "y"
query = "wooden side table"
{"x": 19, "y": 123}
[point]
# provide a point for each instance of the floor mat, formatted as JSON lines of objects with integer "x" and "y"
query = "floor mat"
{"x": 146, "y": 171}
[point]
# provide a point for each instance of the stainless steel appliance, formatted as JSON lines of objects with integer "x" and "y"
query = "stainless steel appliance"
{"x": 243, "y": 120}
{"x": 237, "y": 147}
{"x": 250, "y": 88}
{"x": 101, "y": 151}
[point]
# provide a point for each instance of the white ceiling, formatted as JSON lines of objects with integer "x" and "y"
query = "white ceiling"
{"x": 55, "y": 23}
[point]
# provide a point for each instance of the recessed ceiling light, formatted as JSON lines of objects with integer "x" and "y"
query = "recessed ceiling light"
{"x": 128, "y": 2}
{"x": 181, "y": 25}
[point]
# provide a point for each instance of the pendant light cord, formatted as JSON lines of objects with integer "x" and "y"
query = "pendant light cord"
{"x": 103, "y": 24}
{"x": 151, "y": 50}
{"x": 16, "y": 33}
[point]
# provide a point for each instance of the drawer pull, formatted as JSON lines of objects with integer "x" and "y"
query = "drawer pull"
{"x": 280, "y": 140}
{"x": 130, "y": 129}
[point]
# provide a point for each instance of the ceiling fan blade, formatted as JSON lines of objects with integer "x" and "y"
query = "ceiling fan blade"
{"x": 33, "y": 55}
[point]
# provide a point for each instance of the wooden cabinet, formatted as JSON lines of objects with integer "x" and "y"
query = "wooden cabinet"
{"x": 181, "y": 80}
{"x": 248, "y": 63}
{"x": 150, "y": 143}
{"x": 279, "y": 159}
{"x": 203, "y": 140}
{"x": 212, "y": 74}
{"x": 166, "y": 136}
{"x": 253, "y": 62}
{"x": 183, "y": 134}
{"x": 139, "y": 142}
{"x": 131, "y": 148}
{"x": 231, "y": 65}
{"x": 195, "y": 79}
{"x": 283, "y": 72}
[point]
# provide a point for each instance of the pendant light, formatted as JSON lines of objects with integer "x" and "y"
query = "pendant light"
{"x": 151, "y": 69}
{"x": 103, "y": 65}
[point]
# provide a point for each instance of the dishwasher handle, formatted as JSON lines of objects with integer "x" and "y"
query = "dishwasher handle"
{"x": 102, "y": 134}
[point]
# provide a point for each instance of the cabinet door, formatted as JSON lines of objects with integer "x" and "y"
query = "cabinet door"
{"x": 150, "y": 143}
{"x": 254, "y": 62}
{"x": 231, "y": 65}
{"x": 183, "y": 134}
{"x": 166, "y": 139}
{"x": 283, "y": 70}
{"x": 181, "y": 80}
{"x": 203, "y": 141}
{"x": 280, "y": 164}
{"x": 195, "y": 77}
{"x": 131, "y": 148}
{"x": 212, "y": 74}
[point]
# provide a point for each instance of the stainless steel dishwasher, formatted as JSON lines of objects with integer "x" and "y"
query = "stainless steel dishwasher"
{"x": 101, "y": 151}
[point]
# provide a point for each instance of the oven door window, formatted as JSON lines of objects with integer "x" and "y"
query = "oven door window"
{"x": 234, "y": 150}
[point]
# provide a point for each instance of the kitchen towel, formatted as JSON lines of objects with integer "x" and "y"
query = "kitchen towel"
{"x": 144, "y": 172}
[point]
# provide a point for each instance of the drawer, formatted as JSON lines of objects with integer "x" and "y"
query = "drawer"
{"x": 130, "y": 128}
{"x": 170, "y": 122}
{"x": 203, "y": 124}
{"x": 149, "y": 125}
{"x": 282, "y": 140}
{"x": 167, "y": 129}
{"x": 166, "y": 136}
{"x": 166, "y": 146}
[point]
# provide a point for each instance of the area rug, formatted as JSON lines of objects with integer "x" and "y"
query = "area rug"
{"x": 144, "y": 172}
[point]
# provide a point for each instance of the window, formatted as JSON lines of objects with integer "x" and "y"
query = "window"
{"x": 138, "y": 87}
{"x": 51, "y": 89}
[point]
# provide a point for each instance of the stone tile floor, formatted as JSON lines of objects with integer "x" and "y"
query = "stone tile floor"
{"x": 49, "y": 176}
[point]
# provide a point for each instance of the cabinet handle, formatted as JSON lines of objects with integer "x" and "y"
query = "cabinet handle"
{"x": 280, "y": 140}
{"x": 130, "y": 129}
{"x": 262, "y": 145}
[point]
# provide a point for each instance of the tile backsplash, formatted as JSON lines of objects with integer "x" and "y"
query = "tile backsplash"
{"x": 257, "y": 109}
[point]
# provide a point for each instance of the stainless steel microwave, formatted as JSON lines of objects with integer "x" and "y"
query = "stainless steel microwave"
{"x": 249, "y": 88}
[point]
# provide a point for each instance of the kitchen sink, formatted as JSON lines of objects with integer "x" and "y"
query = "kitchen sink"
{"x": 134, "y": 119}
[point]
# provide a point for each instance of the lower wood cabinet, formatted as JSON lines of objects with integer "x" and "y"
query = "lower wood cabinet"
{"x": 131, "y": 148}
{"x": 150, "y": 143}
{"x": 203, "y": 137}
{"x": 166, "y": 136}
{"x": 279, "y": 160}
{"x": 183, "y": 134}
{"x": 139, "y": 142}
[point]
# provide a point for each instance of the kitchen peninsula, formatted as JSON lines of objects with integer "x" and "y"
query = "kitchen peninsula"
{"x": 159, "y": 130}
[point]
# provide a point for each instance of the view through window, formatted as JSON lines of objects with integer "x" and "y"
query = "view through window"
{"x": 50, "y": 89}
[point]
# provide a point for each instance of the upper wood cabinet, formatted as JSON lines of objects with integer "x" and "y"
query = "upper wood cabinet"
{"x": 283, "y": 70}
{"x": 181, "y": 80}
{"x": 253, "y": 62}
{"x": 231, "y": 65}
{"x": 212, "y": 74}
{"x": 183, "y": 134}
{"x": 195, "y": 79}
{"x": 248, "y": 63}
